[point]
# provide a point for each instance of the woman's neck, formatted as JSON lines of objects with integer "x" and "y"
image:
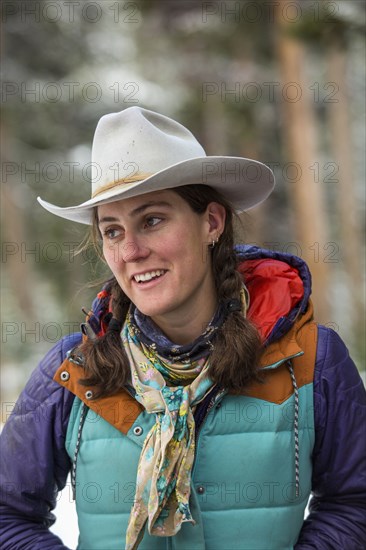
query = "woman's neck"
{"x": 188, "y": 325}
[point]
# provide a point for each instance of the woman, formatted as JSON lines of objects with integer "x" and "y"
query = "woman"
{"x": 203, "y": 404}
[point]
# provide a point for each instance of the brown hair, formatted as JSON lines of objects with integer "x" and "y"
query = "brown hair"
{"x": 234, "y": 359}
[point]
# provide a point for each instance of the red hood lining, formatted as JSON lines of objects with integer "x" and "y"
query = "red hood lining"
{"x": 274, "y": 288}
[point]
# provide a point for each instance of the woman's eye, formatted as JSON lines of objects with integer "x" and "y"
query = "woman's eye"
{"x": 152, "y": 221}
{"x": 111, "y": 233}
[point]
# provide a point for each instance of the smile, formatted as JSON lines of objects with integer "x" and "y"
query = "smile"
{"x": 149, "y": 275}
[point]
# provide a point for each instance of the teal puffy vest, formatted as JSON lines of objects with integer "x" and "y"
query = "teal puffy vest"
{"x": 243, "y": 480}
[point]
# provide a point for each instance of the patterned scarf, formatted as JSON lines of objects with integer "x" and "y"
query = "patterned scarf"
{"x": 169, "y": 389}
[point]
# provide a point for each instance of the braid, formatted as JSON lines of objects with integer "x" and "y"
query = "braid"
{"x": 105, "y": 359}
{"x": 238, "y": 368}
{"x": 227, "y": 279}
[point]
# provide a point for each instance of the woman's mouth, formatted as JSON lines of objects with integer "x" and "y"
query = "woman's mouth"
{"x": 143, "y": 278}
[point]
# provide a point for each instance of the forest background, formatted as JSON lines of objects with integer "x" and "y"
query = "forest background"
{"x": 278, "y": 81}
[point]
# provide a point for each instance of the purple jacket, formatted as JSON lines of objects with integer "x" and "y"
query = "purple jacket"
{"x": 35, "y": 465}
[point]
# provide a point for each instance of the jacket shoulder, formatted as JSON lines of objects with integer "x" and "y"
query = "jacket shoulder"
{"x": 335, "y": 371}
{"x": 41, "y": 386}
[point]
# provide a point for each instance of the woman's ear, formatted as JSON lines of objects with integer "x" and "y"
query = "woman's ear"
{"x": 216, "y": 216}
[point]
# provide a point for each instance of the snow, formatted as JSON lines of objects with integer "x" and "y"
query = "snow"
{"x": 66, "y": 526}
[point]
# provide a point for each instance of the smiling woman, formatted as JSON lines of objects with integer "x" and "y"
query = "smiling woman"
{"x": 200, "y": 407}
{"x": 163, "y": 235}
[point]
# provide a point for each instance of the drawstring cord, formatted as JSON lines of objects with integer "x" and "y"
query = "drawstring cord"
{"x": 84, "y": 412}
{"x": 296, "y": 429}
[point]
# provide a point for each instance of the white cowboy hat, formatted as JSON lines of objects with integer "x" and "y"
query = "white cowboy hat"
{"x": 138, "y": 151}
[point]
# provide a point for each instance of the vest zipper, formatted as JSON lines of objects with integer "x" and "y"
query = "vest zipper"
{"x": 211, "y": 404}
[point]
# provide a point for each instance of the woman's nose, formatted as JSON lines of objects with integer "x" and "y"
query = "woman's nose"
{"x": 132, "y": 250}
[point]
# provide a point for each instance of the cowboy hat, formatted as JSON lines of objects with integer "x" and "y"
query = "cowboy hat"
{"x": 137, "y": 151}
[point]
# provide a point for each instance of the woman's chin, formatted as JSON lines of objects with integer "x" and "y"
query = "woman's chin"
{"x": 153, "y": 312}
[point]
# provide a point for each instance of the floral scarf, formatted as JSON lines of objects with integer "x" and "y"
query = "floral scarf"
{"x": 169, "y": 389}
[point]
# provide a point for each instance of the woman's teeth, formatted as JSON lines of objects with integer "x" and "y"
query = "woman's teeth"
{"x": 148, "y": 275}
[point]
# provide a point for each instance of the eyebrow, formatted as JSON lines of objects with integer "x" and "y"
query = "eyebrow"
{"x": 136, "y": 211}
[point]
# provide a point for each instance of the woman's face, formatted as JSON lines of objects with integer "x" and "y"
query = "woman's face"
{"x": 157, "y": 248}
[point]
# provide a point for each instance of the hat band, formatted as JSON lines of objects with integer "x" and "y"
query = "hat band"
{"x": 123, "y": 181}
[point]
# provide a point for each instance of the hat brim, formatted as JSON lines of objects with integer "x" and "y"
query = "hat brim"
{"x": 245, "y": 183}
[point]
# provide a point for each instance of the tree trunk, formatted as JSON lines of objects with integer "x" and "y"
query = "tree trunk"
{"x": 347, "y": 207}
{"x": 305, "y": 193}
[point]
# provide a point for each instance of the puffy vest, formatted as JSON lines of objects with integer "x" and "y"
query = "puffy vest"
{"x": 243, "y": 480}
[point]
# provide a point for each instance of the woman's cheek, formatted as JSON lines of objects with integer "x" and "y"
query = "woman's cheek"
{"x": 109, "y": 254}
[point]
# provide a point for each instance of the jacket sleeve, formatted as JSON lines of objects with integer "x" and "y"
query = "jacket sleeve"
{"x": 337, "y": 516}
{"x": 34, "y": 462}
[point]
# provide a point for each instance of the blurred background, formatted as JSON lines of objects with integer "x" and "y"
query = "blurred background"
{"x": 278, "y": 81}
{"x": 282, "y": 82}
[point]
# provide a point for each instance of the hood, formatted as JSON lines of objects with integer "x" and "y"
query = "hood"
{"x": 279, "y": 287}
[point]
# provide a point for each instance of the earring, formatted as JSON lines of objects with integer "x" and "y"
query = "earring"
{"x": 212, "y": 245}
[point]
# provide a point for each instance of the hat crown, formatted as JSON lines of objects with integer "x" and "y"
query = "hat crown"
{"x": 138, "y": 141}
